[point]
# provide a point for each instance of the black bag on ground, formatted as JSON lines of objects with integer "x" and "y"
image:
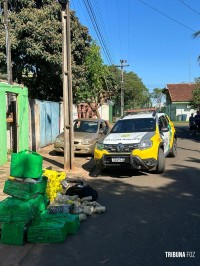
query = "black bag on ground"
{"x": 82, "y": 190}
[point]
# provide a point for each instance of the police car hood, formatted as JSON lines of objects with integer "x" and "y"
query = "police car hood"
{"x": 125, "y": 138}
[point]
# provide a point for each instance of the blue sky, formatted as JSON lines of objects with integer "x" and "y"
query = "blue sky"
{"x": 154, "y": 36}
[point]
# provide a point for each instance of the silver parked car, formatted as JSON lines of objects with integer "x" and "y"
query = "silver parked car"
{"x": 87, "y": 132}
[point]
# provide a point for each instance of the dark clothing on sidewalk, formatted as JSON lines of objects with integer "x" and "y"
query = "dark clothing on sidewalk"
{"x": 197, "y": 121}
{"x": 192, "y": 123}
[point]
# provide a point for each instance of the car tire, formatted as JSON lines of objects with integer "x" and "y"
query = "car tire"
{"x": 173, "y": 151}
{"x": 160, "y": 168}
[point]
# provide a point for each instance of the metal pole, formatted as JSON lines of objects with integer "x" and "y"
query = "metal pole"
{"x": 122, "y": 88}
{"x": 70, "y": 107}
{"x": 67, "y": 91}
{"x": 8, "y": 45}
{"x": 122, "y": 84}
{"x": 11, "y": 99}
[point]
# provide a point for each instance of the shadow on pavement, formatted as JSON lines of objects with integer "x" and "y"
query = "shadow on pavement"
{"x": 117, "y": 173}
{"x": 53, "y": 162}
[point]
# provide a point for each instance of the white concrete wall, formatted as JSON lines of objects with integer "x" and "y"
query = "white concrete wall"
{"x": 184, "y": 110}
{"x": 104, "y": 111}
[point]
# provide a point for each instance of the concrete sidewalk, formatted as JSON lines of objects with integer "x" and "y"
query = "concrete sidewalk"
{"x": 50, "y": 161}
{"x": 4, "y": 173}
{"x": 56, "y": 162}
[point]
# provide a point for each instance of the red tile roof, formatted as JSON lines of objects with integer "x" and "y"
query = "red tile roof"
{"x": 180, "y": 92}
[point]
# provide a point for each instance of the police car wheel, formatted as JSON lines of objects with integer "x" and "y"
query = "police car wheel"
{"x": 161, "y": 162}
{"x": 173, "y": 151}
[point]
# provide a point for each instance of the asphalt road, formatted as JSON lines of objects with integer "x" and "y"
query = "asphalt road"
{"x": 148, "y": 218}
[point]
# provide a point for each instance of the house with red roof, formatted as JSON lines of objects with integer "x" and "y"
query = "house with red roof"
{"x": 178, "y": 97}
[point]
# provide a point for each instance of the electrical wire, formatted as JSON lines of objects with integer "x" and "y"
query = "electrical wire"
{"x": 83, "y": 11}
{"x": 108, "y": 17}
{"x": 95, "y": 24}
{"x": 102, "y": 25}
{"x": 119, "y": 31}
{"x": 189, "y": 7}
{"x": 155, "y": 9}
{"x": 97, "y": 29}
{"x": 129, "y": 8}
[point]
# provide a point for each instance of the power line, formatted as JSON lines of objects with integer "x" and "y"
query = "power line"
{"x": 108, "y": 17}
{"x": 129, "y": 8}
{"x": 155, "y": 9}
{"x": 104, "y": 45}
{"x": 95, "y": 24}
{"x": 189, "y": 7}
{"x": 102, "y": 24}
{"x": 83, "y": 10}
{"x": 122, "y": 65}
{"x": 119, "y": 29}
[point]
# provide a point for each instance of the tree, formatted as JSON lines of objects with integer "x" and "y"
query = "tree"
{"x": 3, "y": 73}
{"x": 36, "y": 39}
{"x": 113, "y": 81}
{"x": 135, "y": 93}
{"x": 197, "y": 35}
{"x": 195, "y": 101}
{"x": 95, "y": 72}
{"x": 157, "y": 95}
{"x": 36, "y": 45}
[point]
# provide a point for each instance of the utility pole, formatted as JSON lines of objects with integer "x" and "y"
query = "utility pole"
{"x": 11, "y": 99}
{"x": 122, "y": 84}
{"x": 8, "y": 45}
{"x": 67, "y": 87}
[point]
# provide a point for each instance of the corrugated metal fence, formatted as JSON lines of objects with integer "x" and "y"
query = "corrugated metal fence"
{"x": 46, "y": 121}
{"x": 44, "y": 125}
{"x": 49, "y": 122}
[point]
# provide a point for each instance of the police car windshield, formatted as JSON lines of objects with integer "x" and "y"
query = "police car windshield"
{"x": 134, "y": 125}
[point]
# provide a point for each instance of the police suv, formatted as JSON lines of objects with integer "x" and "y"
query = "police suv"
{"x": 138, "y": 141}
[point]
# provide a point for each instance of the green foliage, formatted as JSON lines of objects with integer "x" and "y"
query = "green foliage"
{"x": 95, "y": 70}
{"x": 36, "y": 45}
{"x": 3, "y": 73}
{"x": 135, "y": 93}
{"x": 157, "y": 95}
{"x": 195, "y": 101}
{"x": 113, "y": 80}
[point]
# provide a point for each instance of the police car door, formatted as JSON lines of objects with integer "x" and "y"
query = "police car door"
{"x": 165, "y": 133}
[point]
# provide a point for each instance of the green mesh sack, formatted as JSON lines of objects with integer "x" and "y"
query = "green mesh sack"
{"x": 26, "y": 164}
{"x": 25, "y": 190}
{"x": 13, "y": 209}
{"x": 39, "y": 203}
{"x": 47, "y": 231}
{"x": 13, "y": 233}
{"x": 72, "y": 220}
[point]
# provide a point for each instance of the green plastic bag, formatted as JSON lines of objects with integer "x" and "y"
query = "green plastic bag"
{"x": 13, "y": 233}
{"x": 26, "y": 164}
{"x": 25, "y": 190}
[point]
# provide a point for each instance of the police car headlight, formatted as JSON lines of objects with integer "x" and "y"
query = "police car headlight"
{"x": 145, "y": 144}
